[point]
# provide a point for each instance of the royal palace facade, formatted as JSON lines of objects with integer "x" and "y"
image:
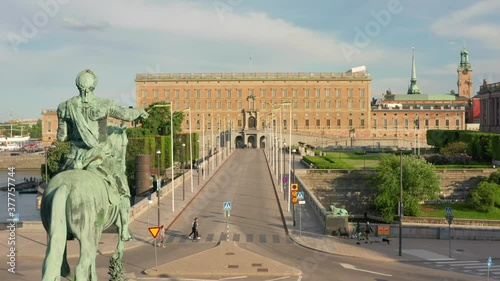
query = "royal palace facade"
{"x": 321, "y": 109}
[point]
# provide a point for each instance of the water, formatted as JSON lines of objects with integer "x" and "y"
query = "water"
{"x": 19, "y": 176}
{"x": 25, "y": 204}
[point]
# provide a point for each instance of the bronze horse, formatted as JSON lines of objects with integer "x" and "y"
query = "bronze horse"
{"x": 76, "y": 204}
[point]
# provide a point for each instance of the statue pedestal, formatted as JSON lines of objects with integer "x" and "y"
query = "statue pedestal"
{"x": 333, "y": 223}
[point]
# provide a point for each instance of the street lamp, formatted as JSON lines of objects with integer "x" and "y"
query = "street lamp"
{"x": 47, "y": 149}
{"x": 352, "y": 131}
{"x": 169, "y": 104}
{"x": 190, "y": 149}
{"x": 208, "y": 156}
{"x": 198, "y": 166}
{"x": 183, "y": 172}
{"x": 203, "y": 130}
{"x": 158, "y": 153}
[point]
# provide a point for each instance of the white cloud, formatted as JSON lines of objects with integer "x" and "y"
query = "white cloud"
{"x": 81, "y": 25}
{"x": 471, "y": 23}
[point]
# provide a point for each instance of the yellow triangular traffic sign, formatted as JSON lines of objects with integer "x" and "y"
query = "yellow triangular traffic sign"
{"x": 154, "y": 231}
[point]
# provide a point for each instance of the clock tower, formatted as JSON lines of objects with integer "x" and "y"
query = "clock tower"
{"x": 464, "y": 71}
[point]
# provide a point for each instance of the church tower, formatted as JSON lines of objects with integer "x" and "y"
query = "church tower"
{"x": 464, "y": 71}
{"x": 413, "y": 87}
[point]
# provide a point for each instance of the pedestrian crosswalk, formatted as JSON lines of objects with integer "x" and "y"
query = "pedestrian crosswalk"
{"x": 262, "y": 238}
{"x": 475, "y": 267}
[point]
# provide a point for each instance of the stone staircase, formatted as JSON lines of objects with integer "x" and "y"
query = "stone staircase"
{"x": 353, "y": 190}
{"x": 456, "y": 184}
{"x": 348, "y": 189}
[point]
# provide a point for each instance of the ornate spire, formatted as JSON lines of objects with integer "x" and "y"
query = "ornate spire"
{"x": 464, "y": 60}
{"x": 413, "y": 88}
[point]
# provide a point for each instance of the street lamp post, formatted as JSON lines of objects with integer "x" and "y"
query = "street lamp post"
{"x": 283, "y": 167}
{"x": 208, "y": 156}
{"x": 203, "y": 137}
{"x": 183, "y": 171}
{"x": 198, "y": 166}
{"x": 158, "y": 153}
{"x": 294, "y": 181}
{"x": 47, "y": 149}
{"x": 169, "y": 104}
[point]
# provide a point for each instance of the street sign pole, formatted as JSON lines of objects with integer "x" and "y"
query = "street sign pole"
{"x": 449, "y": 218}
{"x": 300, "y": 221}
{"x": 227, "y": 206}
{"x": 488, "y": 271}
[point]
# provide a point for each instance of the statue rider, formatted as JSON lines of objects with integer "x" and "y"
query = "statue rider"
{"x": 83, "y": 122}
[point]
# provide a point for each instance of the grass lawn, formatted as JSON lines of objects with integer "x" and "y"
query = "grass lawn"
{"x": 460, "y": 211}
{"x": 358, "y": 161}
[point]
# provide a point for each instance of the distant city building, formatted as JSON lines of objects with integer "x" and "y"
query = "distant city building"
{"x": 403, "y": 116}
{"x": 489, "y": 95}
{"x": 50, "y": 123}
{"x": 326, "y": 108}
{"x": 328, "y": 104}
{"x": 49, "y": 126}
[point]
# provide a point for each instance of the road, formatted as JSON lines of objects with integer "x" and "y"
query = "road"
{"x": 256, "y": 224}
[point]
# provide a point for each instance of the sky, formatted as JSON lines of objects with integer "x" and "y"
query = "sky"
{"x": 45, "y": 43}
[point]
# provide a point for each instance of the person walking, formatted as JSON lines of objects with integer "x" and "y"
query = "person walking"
{"x": 161, "y": 237}
{"x": 368, "y": 230}
{"x": 194, "y": 230}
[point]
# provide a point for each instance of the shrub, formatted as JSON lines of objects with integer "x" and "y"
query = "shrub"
{"x": 437, "y": 159}
{"x": 485, "y": 196}
{"x": 454, "y": 148}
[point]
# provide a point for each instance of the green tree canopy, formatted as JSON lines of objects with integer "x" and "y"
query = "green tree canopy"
{"x": 485, "y": 196}
{"x": 158, "y": 122}
{"x": 454, "y": 148}
{"x": 420, "y": 183}
{"x": 35, "y": 131}
{"x": 55, "y": 155}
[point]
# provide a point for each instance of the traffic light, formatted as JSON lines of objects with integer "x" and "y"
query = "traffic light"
{"x": 293, "y": 189}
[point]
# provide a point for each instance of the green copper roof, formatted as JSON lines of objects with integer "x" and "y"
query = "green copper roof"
{"x": 406, "y": 97}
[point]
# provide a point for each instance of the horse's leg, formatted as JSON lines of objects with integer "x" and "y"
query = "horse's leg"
{"x": 65, "y": 269}
{"x": 116, "y": 266}
{"x": 57, "y": 231}
{"x": 88, "y": 250}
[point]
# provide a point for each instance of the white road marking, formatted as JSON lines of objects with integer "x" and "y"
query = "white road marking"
{"x": 424, "y": 254}
{"x": 450, "y": 262}
{"x": 350, "y": 266}
{"x": 484, "y": 266}
{"x": 281, "y": 278}
{"x": 235, "y": 277}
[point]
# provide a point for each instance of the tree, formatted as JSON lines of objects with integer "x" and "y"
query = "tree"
{"x": 35, "y": 131}
{"x": 452, "y": 92}
{"x": 454, "y": 148}
{"x": 55, "y": 157}
{"x": 485, "y": 196}
{"x": 420, "y": 183}
{"x": 158, "y": 122}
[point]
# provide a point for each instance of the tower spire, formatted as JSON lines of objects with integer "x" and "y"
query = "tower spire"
{"x": 413, "y": 88}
